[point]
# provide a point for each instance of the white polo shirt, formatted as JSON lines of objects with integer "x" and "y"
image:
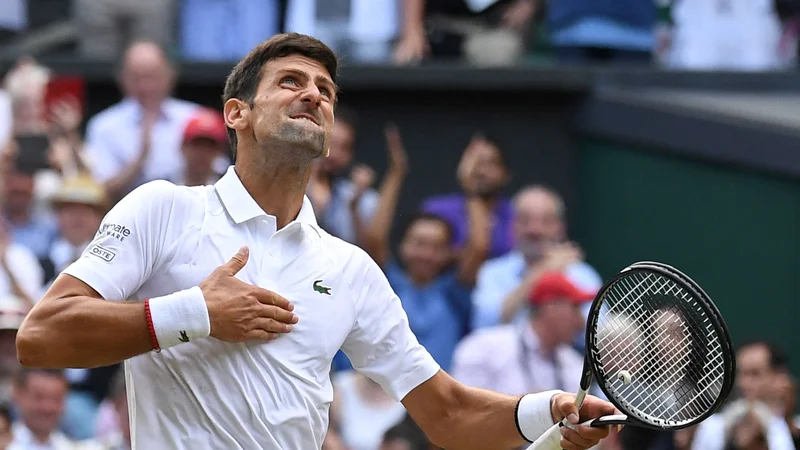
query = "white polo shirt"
{"x": 208, "y": 394}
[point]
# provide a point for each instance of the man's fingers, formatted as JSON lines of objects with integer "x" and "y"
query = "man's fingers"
{"x": 237, "y": 262}
{"x": 270, "y": 298}
{"x": 587, "y": 433}
{"x": 279, "y": 314}
{"x": 566, "y": 406}
{"x": 272, "y": 325}
{"x": 261, "y": 335}
{"x": 576, "y": 439}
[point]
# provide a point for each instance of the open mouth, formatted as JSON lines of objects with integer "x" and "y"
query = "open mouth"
{"x": 307, "y": 117}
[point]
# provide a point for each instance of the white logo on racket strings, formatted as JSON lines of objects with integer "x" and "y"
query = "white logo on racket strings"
{"x": 624, "y": 376}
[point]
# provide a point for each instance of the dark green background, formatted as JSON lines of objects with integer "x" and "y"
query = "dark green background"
{"x": 735, "y": 232}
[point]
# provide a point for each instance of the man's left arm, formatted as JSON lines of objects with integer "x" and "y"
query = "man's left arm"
{"x": 382, "y": 346}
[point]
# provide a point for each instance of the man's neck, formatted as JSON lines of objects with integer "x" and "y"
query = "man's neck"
{"x": 277, "y": 184}
{"x": 18, "y": 218}
{"x": 196, "y": 179}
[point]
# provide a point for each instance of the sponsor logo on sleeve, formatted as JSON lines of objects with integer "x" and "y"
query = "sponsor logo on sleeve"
{"x": 116, "y": 231}
{"x": 102, "y": 253}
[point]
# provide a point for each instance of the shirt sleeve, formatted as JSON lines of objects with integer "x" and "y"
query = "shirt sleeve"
{"x": 128, "y": 245}
{"x": 381, "y": 344}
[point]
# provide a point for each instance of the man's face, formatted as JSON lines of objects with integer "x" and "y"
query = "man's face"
{"x": 754, "y": 376}
{"x": 564, "y": 315}
{"x": 294, "y": 105}
{"x": 146, "y": 75}
{"x": 77, "y": 222}
{"x": 18, "y": 193}
{"x": 199, "y": 155}
{"x": 342, "y": 142}
{"x": 425, "y": 249}
{"x": 41, "y": 401}
{"x": 490, "y": 172}
{"x": 537, "y": 224}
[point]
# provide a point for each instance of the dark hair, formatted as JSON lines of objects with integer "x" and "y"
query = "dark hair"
{"x": 421, "y": 216}
{"x": 408, "y": 430}
{"x": 5, "y": 412}
{"x": 501, "y": 151}
{"x": 777, "y": 357}
{"x": 24, "y": 374}
{"x": 243, "y": 80}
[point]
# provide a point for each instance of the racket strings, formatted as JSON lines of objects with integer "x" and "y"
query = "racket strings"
{"x": 652, "y": 329}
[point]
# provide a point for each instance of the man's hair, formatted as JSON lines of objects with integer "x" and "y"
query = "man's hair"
{"x": 243, "y": 80}
{"x": 25, "y": 374}
{"x": 777, "y": 357}
{"x": 423, "y": 216}
{"x": 501, "y": 151}
{"x": 561, "y": 208}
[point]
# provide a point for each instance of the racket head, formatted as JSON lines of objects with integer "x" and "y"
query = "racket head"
{"x": 659, "y": 348}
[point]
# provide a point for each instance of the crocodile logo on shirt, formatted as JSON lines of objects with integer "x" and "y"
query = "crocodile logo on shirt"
{"x": 321, "y": 289}
{"x": 184, "y": 337}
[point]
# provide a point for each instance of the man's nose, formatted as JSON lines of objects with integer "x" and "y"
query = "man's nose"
{"x": 312, "y": 95}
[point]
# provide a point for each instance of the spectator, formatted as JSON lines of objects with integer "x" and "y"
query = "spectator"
{"x": 357, "y": 30}
{"x": 489, "y": 177}
{"x": 333, "y": 441}
{"x": 485, "y": 32}
{"x": 363, "y": 411}
{"x": 534, "y": 356}
{"x": 12, "y": 311}
{"x": 619, "y": 32}
{"x": 79, "y": 205}
{"x": 139, "y": 139}
{"x": 540, "y": 246}
{"x": 406, "y": 435}
{"x": 29, "y": 225}
{"x": 21, "y": 273}
{"x": 344, "y": 206}
{"x": 435, "y": 297}
{"x": 116, "y": 431}
{"x": 205, "y": 28}
{"x": 785, "y": 402}
{"x": 39, "y": 394}
{"x": 6, "y": 435}
{"x": 26, "y": 84}
{"x": 108, "y": 26}
{"x": 758, "y": 364}
{"x": 204, "y": 140}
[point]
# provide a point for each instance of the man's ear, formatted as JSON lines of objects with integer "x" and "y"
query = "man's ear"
{"x": 236, "y": 114}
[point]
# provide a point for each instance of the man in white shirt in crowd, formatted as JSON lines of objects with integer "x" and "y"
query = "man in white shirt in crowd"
{"x": 215, "y": 355}
{"x": 39, "y": 394}
{"x": 139, "y": 139}
{"x": 531, "y": 356}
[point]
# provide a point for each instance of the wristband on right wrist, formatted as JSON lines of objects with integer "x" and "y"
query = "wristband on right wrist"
{"x": 534, "y": 414}
{"x": 177, "y": 318}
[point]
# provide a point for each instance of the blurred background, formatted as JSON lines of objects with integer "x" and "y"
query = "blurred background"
{"x": 498, "y": 158}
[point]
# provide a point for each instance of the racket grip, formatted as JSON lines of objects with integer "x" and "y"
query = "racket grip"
{"x": 550, "y": 440}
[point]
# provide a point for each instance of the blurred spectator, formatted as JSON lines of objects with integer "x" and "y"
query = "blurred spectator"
{"x": 743, "y": 423}
{"x": 139, "y": 139}
{"x": 26, "y": 84}
{"x": 6, "y": 118}
{"x": 13, "y": 20}
{"x": 357, "y": 30}
{"x": 489, "y": 175}
{"x": 79, "y": 205}
{"x": 708, "y": 35}
{"x": 540, "y": 246}
{"x": 435, "y": 296}
{"x": 486, "y": 32}
{"x": 29, "y": 226}
{"x": 785, "y": 402}
{"x": 406, "y": 435}
{"x": 333, "y": 441}
{"x": 363, "y": 411}
{"x": 39, "y": 394}
{"x": 607, "y": 31}
{"x": 204, "y": 140}
{"x": 533, "y": 356}
{"x": 344, "y": 206}
{"x": 113, "y": 427}
{"x": 12, "y": 311}
{"x": 206, "y": 27}
{"x": 6, "y": 435}
{"x": 108, "y": 26}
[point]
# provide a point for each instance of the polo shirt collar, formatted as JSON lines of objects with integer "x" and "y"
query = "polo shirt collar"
{"x": 242, "y": 207}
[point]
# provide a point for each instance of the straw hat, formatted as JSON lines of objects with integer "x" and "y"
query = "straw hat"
{"x": 81, "y": 189}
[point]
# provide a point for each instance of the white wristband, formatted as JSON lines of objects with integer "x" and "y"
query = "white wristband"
{"x": 180, "y": 317}
{"x": 533, "y": 414}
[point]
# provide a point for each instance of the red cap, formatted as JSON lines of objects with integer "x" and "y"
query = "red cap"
{"x": 554, "y": 286}
{"x": 206, "y": 123}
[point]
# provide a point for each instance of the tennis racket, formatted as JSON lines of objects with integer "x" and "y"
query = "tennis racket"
{"x": 658, "y": 348}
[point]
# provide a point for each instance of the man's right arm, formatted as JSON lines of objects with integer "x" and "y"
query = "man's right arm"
{"x": 72, "y": 326}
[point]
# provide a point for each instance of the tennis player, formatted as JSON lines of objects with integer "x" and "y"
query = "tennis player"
{"x": 198, "y": 279}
